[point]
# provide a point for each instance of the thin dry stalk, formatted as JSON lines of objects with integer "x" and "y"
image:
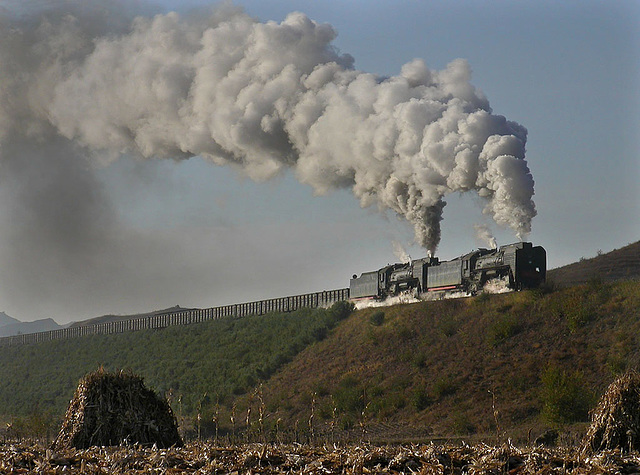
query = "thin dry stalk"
{"x": 311, "y": 416}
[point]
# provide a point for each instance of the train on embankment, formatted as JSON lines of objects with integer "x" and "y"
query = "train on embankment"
{"x": 521, "y": 265}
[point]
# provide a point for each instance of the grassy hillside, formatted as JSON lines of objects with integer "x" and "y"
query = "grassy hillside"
{"x": 492, "y": 365}
{"x": 198, "y": 364}
{"x": 484, "y": 365}
{"x": 623, "y": 263}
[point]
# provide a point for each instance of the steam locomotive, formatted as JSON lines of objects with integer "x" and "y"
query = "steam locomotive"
{"x": 520, "y": 265}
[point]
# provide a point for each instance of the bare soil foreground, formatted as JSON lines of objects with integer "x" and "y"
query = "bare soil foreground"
{"x": 209, "y": 458}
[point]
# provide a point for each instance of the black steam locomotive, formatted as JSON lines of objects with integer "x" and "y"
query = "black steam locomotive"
{"x": 520, "y": 265}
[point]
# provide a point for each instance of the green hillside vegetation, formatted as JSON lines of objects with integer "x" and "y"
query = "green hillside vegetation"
{"x": 195, "y": 365}
{"x": 488, "y": 366}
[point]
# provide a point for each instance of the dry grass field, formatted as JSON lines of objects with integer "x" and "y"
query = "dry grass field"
{"x": 210, "y": 458}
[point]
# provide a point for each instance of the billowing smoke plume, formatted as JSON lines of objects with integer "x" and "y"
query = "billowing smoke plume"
{"x": 265, "y": 97}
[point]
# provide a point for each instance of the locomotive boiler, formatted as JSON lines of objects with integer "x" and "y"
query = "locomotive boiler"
{"x": 521, "y": 265}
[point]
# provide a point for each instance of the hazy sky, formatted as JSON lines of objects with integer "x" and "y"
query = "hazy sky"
{"x": 83, "y": 237}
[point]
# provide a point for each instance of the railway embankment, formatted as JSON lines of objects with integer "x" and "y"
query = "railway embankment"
{"x": 508, "y": 365}
{"x": 513, "y": 365}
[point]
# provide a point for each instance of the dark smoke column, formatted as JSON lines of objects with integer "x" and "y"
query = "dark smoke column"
{"x": 265, "y": 97}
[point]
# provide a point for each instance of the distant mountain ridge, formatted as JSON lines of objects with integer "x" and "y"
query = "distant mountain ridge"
{"x": 10, "y": 326}
{"x": 117, "y": 318}
{"x": 7, "y": 320}
{"x": 18, "y": 328}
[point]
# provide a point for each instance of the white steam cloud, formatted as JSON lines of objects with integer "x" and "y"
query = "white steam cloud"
{"x": 400, "y": 252}
{"x": 483, "y": 233}
{"x": 80, "y": 85}
{"x": 265, "y": 97}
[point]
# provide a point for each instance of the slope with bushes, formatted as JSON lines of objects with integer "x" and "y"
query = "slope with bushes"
{"x": 491, "y": 365}
{"x": 619, "y": 264}
{"x": 194, "y": 364}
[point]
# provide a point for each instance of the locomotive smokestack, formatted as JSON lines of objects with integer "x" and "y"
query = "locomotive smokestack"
{"x": 264, "y": 98}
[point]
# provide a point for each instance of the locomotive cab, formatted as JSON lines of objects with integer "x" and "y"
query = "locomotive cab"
{"x": 523, "y": 265}
{"x": 531, "y": 266}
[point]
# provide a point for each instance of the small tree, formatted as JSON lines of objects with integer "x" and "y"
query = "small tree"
{"x": 342, "y": 309}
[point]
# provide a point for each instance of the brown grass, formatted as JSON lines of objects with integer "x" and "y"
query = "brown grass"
{"x": 619, "y": 264}
{"x": 490, "y": 352}
{"x": 616, "y": 419}
{"x": 205, "y": 457}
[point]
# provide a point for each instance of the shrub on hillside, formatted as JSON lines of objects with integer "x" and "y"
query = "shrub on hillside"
{"x": 461, "y": 424}
{"x": 616, "y": 363}
{"x": 419, "y": 359}
{"x": 482, "y": 298}
{"x": 443, "y": 387}
{"x": 405, "y": 333}
{"x": 386, "y": 404}
{"x": 546, "y": 288}
{"x": 565, "y": 396}
{"x": 341, "y": 310}
{"x": 421, "y": 398}
{"x": 502, "y": 328}
{"x": 377, "y": 318}
{"x": 448, "y": 325}
{"x": 349, "y": 396}
{"x": 580, "y": 305}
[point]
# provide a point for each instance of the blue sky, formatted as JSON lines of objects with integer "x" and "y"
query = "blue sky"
{"x": 203, "y": 235}
{"x": 568, "y": 71}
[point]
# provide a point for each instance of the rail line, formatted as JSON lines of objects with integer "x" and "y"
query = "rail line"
{"x": 184, "y": 317}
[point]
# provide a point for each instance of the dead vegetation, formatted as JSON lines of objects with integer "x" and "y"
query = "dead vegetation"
{"x": 203, "y": 457}
{"x": 616, "y": 420}
{"x": 619, "y": 264}
{"x": 114, "y": 408}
